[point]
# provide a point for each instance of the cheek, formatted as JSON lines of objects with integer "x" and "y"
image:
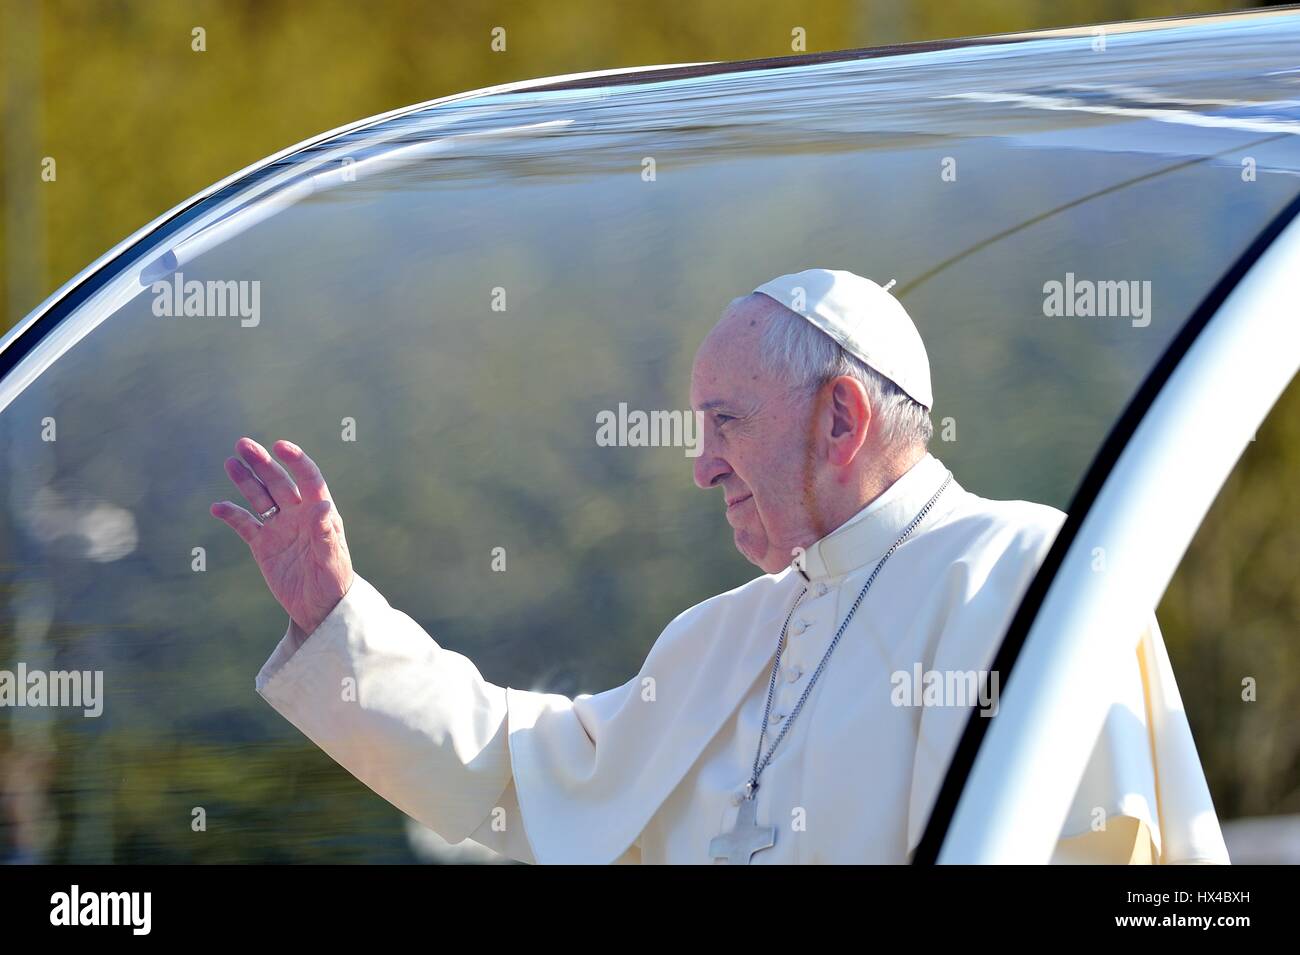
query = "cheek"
{"x": 788, "y": 475}
{"x": 774, "y": 464}
{"x": 777, "y": 479}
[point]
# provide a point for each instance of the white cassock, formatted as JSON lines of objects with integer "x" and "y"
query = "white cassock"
{"x": 651, "y": 771}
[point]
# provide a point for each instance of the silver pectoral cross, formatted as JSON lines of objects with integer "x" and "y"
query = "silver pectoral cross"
{"x": 738, "y": 846}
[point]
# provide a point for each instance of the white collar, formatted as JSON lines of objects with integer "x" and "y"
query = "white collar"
{"x": 870, "y": 532}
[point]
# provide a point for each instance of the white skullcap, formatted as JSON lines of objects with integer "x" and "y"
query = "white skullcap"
{"x": 864, "y": 318}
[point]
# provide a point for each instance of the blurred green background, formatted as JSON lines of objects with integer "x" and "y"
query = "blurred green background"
{"x": 137, "y": 121}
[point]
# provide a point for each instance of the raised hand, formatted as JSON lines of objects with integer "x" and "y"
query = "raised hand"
{"x": 300, "y": 549}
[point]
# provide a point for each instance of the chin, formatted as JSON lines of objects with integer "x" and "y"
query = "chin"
{"x": 755, "y": 557}
{"x": 740, "y": 539}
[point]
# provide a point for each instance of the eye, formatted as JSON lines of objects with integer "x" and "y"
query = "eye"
{"x": 721, "y": 418}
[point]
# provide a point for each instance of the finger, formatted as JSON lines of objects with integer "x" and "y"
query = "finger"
{"x": 311, "y": 483}
{"x": 269, "y": 472}
{"x": 241, "y": 522}
{"x": 321, "y": 514}
{"x": 253, "y": 490}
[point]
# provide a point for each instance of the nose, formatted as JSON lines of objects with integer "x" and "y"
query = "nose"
{"x": 710, "y": 469}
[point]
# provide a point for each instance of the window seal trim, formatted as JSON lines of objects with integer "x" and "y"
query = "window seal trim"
{"x": 1121, "y": 434}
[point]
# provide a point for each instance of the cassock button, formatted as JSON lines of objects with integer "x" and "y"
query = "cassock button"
{"x": 737, "y": 797}
{"x": 793, "y": 673}
{"x": 777, "y": 717}
{"x": 800, "y": 626}
{"x": 821, "y": 589}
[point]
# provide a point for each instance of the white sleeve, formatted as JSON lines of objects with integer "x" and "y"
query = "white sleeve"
{"x": 416, "y": 723}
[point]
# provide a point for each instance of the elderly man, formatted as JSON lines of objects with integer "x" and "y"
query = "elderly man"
{"x": 769, "y": 724}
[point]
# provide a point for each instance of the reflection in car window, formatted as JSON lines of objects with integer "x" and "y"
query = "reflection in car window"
{"x": 440, "y": 306}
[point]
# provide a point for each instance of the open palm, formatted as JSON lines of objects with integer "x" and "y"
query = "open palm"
{"x": 300, "y": 549}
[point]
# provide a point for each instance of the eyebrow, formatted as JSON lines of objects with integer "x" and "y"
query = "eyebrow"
{"x": 713, "y": 403}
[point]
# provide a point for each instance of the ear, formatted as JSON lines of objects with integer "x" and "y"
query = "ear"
{"x": 850, "y": 419}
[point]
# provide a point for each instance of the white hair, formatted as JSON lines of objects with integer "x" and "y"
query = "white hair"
{"x": 799, "y": 351}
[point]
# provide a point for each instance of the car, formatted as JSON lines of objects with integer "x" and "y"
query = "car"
{"x": 1094, "y": 229}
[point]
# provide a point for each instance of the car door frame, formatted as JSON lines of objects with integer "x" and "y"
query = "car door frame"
{"x": 1012, "y": 778}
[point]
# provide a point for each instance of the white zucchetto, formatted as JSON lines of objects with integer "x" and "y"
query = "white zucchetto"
{"x": 864, "y": 318}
